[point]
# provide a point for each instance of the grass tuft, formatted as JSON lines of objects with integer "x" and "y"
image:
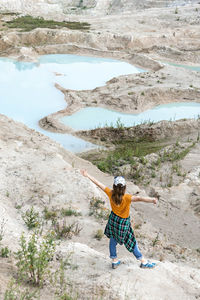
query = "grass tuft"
{"x": 99, "y": 234}
{"x": 98, "y": 210}
{"x": 67, "y": 212}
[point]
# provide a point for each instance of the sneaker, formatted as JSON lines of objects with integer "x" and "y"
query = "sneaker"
{"x": 148, "y": 265}
{"x": 116, "y": 264}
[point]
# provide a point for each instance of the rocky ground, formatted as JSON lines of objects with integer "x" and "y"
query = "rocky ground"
{"x": 36, "y": 172}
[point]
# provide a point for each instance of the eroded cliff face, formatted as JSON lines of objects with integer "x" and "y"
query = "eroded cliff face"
{"x": 53, "y": 7}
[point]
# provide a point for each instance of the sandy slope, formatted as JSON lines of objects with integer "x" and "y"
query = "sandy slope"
{"x": 167, "y": 281}
{"x": 37, "y": 171}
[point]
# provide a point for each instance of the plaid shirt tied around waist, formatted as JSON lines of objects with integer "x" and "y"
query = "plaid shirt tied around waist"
{"x": 120, "y": 229}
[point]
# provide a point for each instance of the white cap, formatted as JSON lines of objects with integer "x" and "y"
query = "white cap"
{"x": 119, "y": 180}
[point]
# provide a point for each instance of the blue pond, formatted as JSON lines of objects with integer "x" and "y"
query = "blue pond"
{"x": 192, "y": 68}
{"x": 92, "y": 117}
{"x": 87, "y": 117}
{"x": 27, "y": 94}
{"x": 27, "y": 91}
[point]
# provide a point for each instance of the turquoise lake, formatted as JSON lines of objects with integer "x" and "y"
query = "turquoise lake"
{"x": 93, "y": 117}
{"x": 27, "y": 94}
{"x": 192, "y": 68}
{"x": 27, "y": 91}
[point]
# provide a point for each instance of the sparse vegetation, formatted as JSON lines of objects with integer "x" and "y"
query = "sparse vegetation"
{"x": 34, "y": 256}
{"x": 64, "y": 230}
{"x": 133, "y": 159}
{"x": 137, "y": 226}
{"x": 80, "y": 3}
{"x": 58, "y": 280}
{"x": 99, "y": 234}
{"x": 18, "y": 206}
{"x": 50, "y": 214}
{"x": 173, "y": 155}
{"x": 143, "y": 160}
{"x": 119, "y": 124}
{"x": 9, "y": 13}
{"x": 98, "y": 210}
{"x": 5, "y": 252}
{"x": 31, "y": 218}
{"x": 125, "y": 153}
{"x": 155, "y": 241}
{"x": 15, "y": 291}
{"x": 28, "y": 23}
{"x": 170, "y": 181}
{"x": 2, "y": 229}
{"x": 69, "y": 212}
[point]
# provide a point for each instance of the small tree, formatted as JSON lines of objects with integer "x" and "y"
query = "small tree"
{"x": 34, "y": 256}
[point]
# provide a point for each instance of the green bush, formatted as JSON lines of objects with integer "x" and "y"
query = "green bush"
{"x": 103, "y": 166}
{"x": 49, "y": 214}
{"x": 31, "y": 218}
{"x": 34, "y": 257}
{"x": 5, "y": 252}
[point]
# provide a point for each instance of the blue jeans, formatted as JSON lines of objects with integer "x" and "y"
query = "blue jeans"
{"x": 113, "y": 251}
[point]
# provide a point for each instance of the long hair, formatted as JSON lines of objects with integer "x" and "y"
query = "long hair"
{"x": 118, "y": 193}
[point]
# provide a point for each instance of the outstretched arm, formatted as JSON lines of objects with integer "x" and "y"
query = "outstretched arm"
{"x": 144, "y": 199}
{"x": 94, "y": 180}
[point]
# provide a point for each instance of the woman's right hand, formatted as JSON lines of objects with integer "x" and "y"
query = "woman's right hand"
{"x": 154, "y": 200}
{"x": 94, "y": 180}
{"x": 84, "y": 172}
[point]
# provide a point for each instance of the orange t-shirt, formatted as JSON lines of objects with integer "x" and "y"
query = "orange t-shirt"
{"x": 123, "y": 209}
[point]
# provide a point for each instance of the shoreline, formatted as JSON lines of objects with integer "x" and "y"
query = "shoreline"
{"x": 136, "y": 102}
{"x": 146, "y": 47}
{"x": 150, "y": 81}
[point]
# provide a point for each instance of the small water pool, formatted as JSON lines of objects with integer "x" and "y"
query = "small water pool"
{"x": 93, "y": 117}
{"x": 27, "y": 91}
{"x": 192, "y": 68}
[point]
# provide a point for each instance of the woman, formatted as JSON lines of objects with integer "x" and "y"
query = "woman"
{"x": 118, "y": 228}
